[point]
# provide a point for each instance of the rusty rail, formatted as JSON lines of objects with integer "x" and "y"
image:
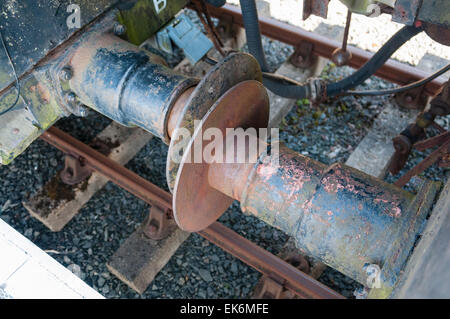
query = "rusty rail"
{"x": 393, "y": 71}
{"x": 253, "y": 255}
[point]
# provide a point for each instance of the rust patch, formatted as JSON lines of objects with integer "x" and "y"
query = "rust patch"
{"x": 56, "y": 190}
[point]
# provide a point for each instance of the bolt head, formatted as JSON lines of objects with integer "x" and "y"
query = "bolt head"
{"x": 71, "y": 97}
{"x": 66, "y": 73}
{"x": 408, "y": 98}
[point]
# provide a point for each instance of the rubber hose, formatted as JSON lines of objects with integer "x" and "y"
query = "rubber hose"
{"x": 289, "y": 91}
{"x": 378, "y": 60}
{"x": 251, "y": 24}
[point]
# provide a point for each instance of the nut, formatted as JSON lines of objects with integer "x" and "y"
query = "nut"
{"x": 66, "y": 73}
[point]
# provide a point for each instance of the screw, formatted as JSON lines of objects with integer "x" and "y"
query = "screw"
{"x": 66, "y": 73}
{"x": 119, "y": 29}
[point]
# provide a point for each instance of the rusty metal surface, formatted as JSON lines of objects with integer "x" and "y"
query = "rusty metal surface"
{"x": 341, "y": 56}
{"x": 404, "y": 142}
{"x": 342, "y": 216}
{"x": 118, "y": 174}
{"x": 216, "y": 82}
{"x": 251, "y": 254}
{"x": 158, "y": 223}
{"x": 392, "y": 70}
{"x": 268, "y": 264}
{"x": 339, "y": 215}
{"x": 403, "y": 146}
{"x": 315, "y": 7}
{"x": 438, "y": 156}
{"x": 196, "y": 203}
{"x": 345, "y": 218}
{"x": 303, "y": 56}
{"x": 405, "y": 11}
{"x": 412, "y": 99}
{"x": 272, "y": 289}
{"x": 438, "y": 33}
{"x": 75, "y": 170}
{"x": 272, "y": 193}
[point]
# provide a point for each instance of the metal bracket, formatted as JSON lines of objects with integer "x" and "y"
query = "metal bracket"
{"x": 405, "y": 11}
{"x": 439, "y": 156}
{"x": 157, "y": 224}
{"x": 303, "y": 56}
{"x": 412, "y": 99}
{"x": 75, "y": 170}
{"x": 272, "y": 288}
{"x": 315, "y": 7}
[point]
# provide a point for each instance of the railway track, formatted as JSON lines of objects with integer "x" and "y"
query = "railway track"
{"x": 103, "y": 166}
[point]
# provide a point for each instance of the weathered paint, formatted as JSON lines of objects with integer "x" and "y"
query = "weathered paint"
{"x": 405, "y": 11}
{"x": 39, "y": 51}
{"x": 29, "y": 45}
{"x": 142, "y": 19}
{"x": 342, "y": 216}
{"x": 36, "y": 111}
{"x": 33, "y": 28}
{"x": 435, "y": 12}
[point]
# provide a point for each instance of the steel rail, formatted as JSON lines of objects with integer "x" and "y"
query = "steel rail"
{"x": 115, "y": 172}
{"x": 267, "y": 263}
{"x": 392, "y": 70}
{"x": 253, "y": 255}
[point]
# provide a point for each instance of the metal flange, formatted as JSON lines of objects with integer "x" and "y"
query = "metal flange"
{"x": 235, "y": 68}
{"x": 196, "y": 204}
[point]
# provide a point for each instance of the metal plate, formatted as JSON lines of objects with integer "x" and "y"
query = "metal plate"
{"x": 196, "y": 205}
{"x": 32, "y": 28}
{"x": 234, "y": 69}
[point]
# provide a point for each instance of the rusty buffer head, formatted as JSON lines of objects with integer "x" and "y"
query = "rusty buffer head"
{"x": 235, "y": 68}
{"x": 196, "y": 204}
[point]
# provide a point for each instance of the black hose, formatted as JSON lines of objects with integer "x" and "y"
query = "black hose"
{"x": 251, "y": 24}
{"x": 284, "y": 89}
{"x": 252, "y": 32}
{"x": 371, "y": 66}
